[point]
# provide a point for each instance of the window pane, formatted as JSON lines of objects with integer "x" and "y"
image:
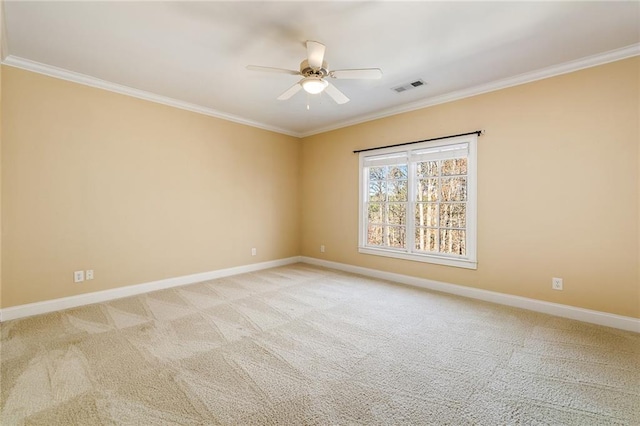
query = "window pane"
{"x": 426, "y": 239}
{"x": 396, "y": 236}
{"x": 453, "y": 189}
{"x": 452, "y": 241}
{"x": 427, "y": 190}
{"x": 396, "y": 213}
{"x": 374, "y": 235}
{"x": 377, "y": 190}
{"x": 453, "y": 215}
{"x": 398, "y": 172}
{"x": 376, "y": 211}
{"x": 454, "y": 166}
{"x": 397, "y": 190}
{"x": 378, "y": 173}
{"x": 427, "y": 168}
{"x": 426, "y": 214}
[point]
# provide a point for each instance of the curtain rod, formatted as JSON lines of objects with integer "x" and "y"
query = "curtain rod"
{"x": 477, "y": 132}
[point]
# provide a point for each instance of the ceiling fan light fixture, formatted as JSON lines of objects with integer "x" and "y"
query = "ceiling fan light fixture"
{"x": 313, "y": 85}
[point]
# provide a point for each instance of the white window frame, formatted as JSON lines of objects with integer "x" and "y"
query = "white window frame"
{"x": 469, "y": 260}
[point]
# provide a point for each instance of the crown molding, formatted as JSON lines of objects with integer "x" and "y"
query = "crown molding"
{"x": 552, "y": 71}
{"x": 51, "y": 71}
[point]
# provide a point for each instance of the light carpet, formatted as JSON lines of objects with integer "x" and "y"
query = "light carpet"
{"x": 305, "y": 345}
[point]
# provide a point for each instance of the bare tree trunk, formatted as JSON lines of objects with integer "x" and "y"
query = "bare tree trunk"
{"x": 421, "y": 212}
{"x": 385, "y": 240}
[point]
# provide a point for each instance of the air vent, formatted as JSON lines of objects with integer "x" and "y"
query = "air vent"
{"x": 409, "y": 86}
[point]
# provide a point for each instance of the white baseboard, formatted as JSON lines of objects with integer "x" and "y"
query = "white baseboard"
{"x": 46, "y": 306}
{"x": 565, "y": 311}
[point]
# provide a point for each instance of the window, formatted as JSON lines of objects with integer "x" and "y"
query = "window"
{"x": 418, "y": 202}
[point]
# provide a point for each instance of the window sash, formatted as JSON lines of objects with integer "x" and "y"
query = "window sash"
{"x": 410, "y": 224}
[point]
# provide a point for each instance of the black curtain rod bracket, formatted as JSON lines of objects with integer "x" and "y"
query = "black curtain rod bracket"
{"x": 477, "y": 132}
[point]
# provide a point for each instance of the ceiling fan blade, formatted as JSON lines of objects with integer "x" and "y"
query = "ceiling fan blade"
{"x": 272, "y": 69}
{"x": 336, "y": 95}
{"x": 290, "y": 92}
{"x": 365, "y": 73}
{"x": 315, "y": 54}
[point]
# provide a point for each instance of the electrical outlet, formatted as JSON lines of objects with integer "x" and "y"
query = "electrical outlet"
{"x": 556, "y": 283}
{"x": 322, "y": 249}
{"x": 78, "y": 276}
{"x": 88, "y": 274}
{"x": 254, "y": 251}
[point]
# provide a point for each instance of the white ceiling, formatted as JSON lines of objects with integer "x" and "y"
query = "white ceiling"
{"x": 196, "y": 52}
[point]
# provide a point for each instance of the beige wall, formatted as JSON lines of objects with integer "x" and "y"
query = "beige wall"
{"x": 1, "y": 23}
{"x": 2, "y": 55}
{"x": 558, "y": 188}
{"x": 134, "y": 190}
{"x": 139, "y": 191}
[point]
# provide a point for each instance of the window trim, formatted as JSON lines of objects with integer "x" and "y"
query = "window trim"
{"x": 470, "y": 260}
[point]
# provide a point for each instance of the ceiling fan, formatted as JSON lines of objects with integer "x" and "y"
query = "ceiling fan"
{"x": 314, "y": 70}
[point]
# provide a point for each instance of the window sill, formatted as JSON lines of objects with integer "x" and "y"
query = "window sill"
{"x": 438, "y": 260}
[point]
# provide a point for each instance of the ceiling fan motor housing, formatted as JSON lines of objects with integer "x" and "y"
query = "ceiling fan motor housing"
{"x": 307, "y": 71}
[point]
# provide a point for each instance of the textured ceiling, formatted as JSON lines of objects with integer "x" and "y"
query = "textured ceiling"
{"x": 196, "y": 52}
